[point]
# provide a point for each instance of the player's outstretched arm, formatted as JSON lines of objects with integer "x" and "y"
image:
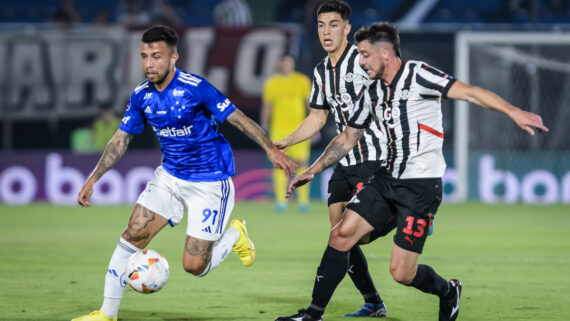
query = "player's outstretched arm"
{"x": 485, "y": 98}
{"x": 307, "y": 129}
{"x": 255, "y": 133}
{"x": 335, "y": 151}
{"x": 115, "y": 149}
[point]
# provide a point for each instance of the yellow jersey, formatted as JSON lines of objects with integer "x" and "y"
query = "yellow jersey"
{"x": 288, "y": 96}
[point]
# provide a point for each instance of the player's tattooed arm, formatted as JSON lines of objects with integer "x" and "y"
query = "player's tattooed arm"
{"x": 115, "y": 149}
{"x": 338, "y": 148}
{"x": 250, "y": 128}
{"x": 255, "y": 133}
{"x": 334, "y": 153}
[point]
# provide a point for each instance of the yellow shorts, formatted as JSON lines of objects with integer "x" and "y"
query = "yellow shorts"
{"x": 300, "y": 152}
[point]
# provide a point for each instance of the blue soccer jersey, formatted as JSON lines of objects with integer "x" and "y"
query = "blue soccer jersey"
{"x": 184, "y": 117}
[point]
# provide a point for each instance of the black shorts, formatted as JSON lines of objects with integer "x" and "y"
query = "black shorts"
{"x": 346, "y": 180}
{"x": 411, "y": 203}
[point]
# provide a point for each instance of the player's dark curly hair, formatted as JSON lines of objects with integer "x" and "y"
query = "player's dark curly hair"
{"x": 160, "y": 33}
{"x": 380, "y": 32}
{"x": 338, "y": 6}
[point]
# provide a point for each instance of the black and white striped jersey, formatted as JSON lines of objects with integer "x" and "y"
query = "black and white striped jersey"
{"x": 337, "y": 88}
{"x": 409, "y": 110}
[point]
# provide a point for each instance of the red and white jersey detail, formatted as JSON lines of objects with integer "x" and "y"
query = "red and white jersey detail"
{"x": 409, "y": 110}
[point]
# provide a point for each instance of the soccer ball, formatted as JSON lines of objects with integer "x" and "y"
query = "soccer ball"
{"x": 147, "y": 271}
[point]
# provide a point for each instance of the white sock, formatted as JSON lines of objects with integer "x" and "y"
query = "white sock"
{"x": 110, "y": 307}
{"x": 222, "y": 248}
{"x": 115, "y": 279}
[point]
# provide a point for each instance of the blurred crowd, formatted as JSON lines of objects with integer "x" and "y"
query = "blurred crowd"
{"x": 246, "y": 12}
{"x": 415, "y": 16}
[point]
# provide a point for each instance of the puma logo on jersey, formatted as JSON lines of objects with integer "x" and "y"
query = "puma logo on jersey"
{"x": 407, "y": 238}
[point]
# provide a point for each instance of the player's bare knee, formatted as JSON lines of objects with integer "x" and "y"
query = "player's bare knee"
{"x": 195, "y": 267}
{"x": 339, "y": 242}
{"x": 398, "y": 275}
{"x": 401, "y": 274}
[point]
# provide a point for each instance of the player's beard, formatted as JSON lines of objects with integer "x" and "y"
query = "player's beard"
{"x": 162, "y": 79}
{"x": 380, "y": 72}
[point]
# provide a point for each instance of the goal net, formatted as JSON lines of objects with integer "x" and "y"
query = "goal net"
{"x": 496, "y": 161}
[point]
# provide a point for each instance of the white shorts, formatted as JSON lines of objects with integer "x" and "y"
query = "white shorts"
{"x": 209, "y": 204}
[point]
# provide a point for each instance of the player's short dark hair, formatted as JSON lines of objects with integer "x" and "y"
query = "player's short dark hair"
{"x": 160, "y": 33}
{"x": 338, "y": 6}
{"x": 380, "y": 32}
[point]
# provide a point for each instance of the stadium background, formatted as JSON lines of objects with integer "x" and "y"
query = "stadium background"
{"x": 55, "y": 76}
{"x": 58, "y": 72}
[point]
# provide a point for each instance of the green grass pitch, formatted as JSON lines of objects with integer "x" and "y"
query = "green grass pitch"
{"x": 513, "y": 260}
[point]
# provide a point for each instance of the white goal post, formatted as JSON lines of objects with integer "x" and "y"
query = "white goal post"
{"x": 518, "y": 49}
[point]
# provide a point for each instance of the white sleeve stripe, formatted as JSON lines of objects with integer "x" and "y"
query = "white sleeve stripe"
{"x": 317, "y": 94}
{"x": 141, "y": 86}
{"x": 195, "y": 84}
{"x": 190, "y": 78}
